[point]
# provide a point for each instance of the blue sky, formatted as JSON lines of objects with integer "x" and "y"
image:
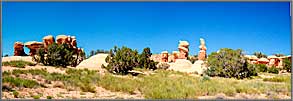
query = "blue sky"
{"x": 251, "y": 26}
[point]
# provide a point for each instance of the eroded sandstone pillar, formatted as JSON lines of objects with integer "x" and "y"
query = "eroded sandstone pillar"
{"x": 18, "y": 49}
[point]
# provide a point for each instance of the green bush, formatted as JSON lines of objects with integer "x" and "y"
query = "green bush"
{"x": 18, "y": 63}
{"x": 261, "y": 67}
{"x": 58, "y": 55}
{"x": 287, "y": 65}
{"x": 273, "y": 70}
{"x": 49, "y": 97}
{"x": 122, "y": 60}
{"x": 229, "y": 63}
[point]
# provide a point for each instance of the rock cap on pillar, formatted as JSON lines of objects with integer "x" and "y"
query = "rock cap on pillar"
{"x": 183, "y": 43}
{"x": 48, "y": 37}
{"x": 164, "y": 52}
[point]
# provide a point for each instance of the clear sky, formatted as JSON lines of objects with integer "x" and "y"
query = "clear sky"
{"x": 251, "y": 26}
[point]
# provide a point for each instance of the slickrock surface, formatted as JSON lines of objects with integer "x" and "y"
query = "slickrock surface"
{"x": 93, "y": 63}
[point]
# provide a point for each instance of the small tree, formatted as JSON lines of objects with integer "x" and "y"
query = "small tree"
{"x": 287, "y": 65}
{"x": 145, "y": 61}
{"x": 229, "y": 63}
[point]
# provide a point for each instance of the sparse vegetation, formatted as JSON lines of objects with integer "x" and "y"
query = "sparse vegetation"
{"x": 18, "y": 63}
{"x": 92, "y": 52}
{"x": 168, "y": 85}
{"x": 278, "y": 79}
{"x": 260, "y": 55}
{"x": 273, "y": 69}
{"x": 229, "y": 63}
{"x": 19, "y": 82}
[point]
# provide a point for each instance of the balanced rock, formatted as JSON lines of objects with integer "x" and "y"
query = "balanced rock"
{"x": 202, "y": 53}
{"x": 183, "y": 49}
{"x": 18, "y": 49}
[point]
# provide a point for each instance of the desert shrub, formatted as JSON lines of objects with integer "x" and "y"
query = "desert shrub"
{"x": 122, "y": 60}
{"x": 49, "y": 97}
{"x": 92, "y": 52}
{"x": 273, "y": 70}
{"x": 15, "y": 94}
{"x": 6, "y": 55}
{"x": 37, "y": 96}
{"x": 18, "y": 63}
{"x": 58, "y": 55}
{"x": 261, "y": 67}
{"x": 229, "y": 63}
{"x": 287, "y": 65}
{"x": 163, "y": 65}
{"x": 19, "y": 82}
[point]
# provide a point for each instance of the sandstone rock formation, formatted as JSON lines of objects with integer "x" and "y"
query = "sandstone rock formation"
{"x": 18, "y": 49}
{"x": 199, "y": 67}
{"x": 202, "y": 53}
{"x": 183, "y": 49}
{"x": 181, "y": 65}
{"x": 33, "y": 46}
{"x": 164, "y": 56}
{"x": 175, "y": 55}
{"x": 61, "y": 39}
{"x": 94, "y": 62}
{"x": 48, "y": 40}
{"x": 73, "y": 42}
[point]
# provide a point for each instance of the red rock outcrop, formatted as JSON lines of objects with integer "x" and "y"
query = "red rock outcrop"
{"x": 18, "y": 49}
{"x": 48, "y": 40}
{"x": 164, "y": 56}
{"x": 33, "y": 46}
